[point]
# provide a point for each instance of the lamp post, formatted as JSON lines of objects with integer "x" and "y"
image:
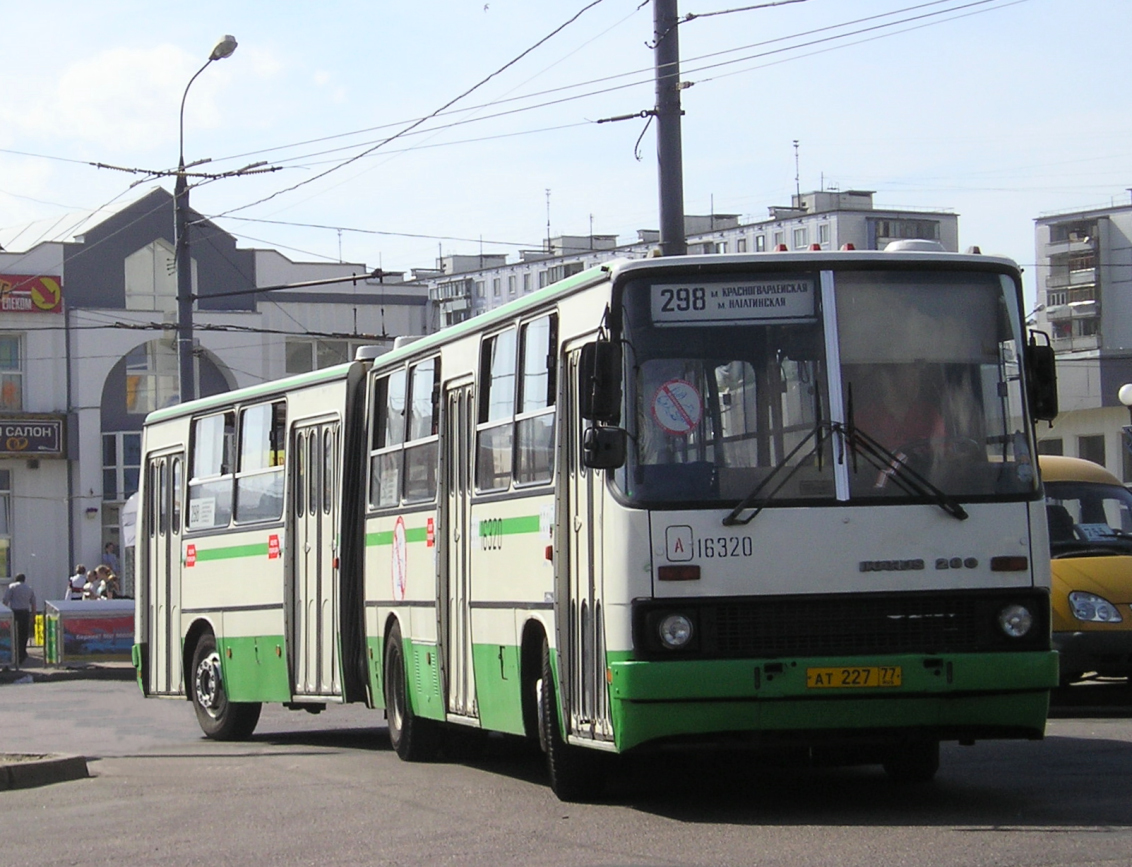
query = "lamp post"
{"x": 224, "y": 48}
{"x": 1124, "y": 395}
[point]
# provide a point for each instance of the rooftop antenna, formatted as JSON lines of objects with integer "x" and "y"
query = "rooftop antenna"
{"x": 548, "y": 220}
{"x": 797, "y": 176}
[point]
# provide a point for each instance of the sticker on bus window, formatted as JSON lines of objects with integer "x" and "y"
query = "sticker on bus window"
{"x": 677, "y": 407}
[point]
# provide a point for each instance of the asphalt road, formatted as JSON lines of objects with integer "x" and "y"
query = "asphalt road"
{"x": 327, "y": 790}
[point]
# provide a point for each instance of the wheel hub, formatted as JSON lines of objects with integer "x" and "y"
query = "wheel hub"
{"x": 207, "y": 682}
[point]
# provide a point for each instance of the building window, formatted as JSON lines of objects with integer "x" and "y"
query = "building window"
{"x": 1057, "y": 298}
{"x": 527, "y": 282}
{"x": 542, "y": 279}
{"x": 496, "y": 287}
{"x": 741, "y": 245}
{"x": 479, "y": 289}
{"x": 779, "y": 239}
{"x": 121, "y": 464}
{"x": 760, "y": 243}
{"x": 512, "y": 285}
{"x": 5, "y": 524}
{"x": 823, "y": 234}
{"x": 1091, "y": 448}
{"x": 721, "y": 247}
{"x": 11, "y": 373}
{"x": 304, "y": 356}
{"x": 1054, "y": 446}
{"x": 152, "y": 378}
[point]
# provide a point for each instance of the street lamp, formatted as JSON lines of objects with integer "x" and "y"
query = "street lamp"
{"x": 224, "y": 48}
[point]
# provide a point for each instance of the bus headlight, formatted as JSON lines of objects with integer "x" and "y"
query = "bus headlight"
{"x": 675, "y": 631}
{"x": 1015, "y": 620}
{"x": 1090, "y": 608}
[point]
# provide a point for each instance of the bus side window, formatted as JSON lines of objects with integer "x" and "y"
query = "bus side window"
{"x": 496, "y": 412}
{"x": 212, "y": 460}
{"x": 388, "y": 435}
{"x": 421, "y": 447}
{"x": 534, "y": 427}
{"x": 259, "y": 481}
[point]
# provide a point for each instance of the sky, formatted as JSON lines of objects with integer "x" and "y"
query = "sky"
{"x": 405, "y": 131}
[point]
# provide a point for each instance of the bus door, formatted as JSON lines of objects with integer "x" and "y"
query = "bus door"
{"x": 313, "y": 602}
{"x": 456, "y": 536}
{"x": 163, "y": 572}
{"x": 581, "y": 625}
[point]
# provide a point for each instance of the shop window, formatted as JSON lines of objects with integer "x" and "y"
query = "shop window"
{"x": 11, "y": 373}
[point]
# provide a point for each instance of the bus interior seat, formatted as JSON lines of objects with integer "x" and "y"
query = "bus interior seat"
{"x": 1061, "y": 526}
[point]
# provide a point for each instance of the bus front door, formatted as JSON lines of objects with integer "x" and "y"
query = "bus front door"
{"x": 163, "y": 573}
{"x": 313, "y": 602}
{"x": 453, "y": 587}
{"x": 580, "y": 616}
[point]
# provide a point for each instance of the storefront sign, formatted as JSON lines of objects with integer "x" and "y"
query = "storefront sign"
{"x": 30, "y": 294}
{"x": 31, "y": 437}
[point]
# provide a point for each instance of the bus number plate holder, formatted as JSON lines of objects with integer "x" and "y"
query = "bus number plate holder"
{"x": 854, "y": 677}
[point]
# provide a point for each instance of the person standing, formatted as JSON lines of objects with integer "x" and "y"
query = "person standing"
{"x": 21, "y": 599}
{"x": 76, "y": 583}
{"x": 110, "y": 557}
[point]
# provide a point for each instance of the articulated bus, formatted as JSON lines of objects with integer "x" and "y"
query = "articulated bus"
{"x": 772, "y": 502}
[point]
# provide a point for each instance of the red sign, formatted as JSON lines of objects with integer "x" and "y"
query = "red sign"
{"x": 190, "y": 555}
{"x": 29, "y": 294}
{"x": 430, "y": 534}
{"x": 272, "y": 547}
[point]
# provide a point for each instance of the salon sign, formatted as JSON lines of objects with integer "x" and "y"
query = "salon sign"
{"x": 30, "y": 294}
{"x": 31, "y": 437}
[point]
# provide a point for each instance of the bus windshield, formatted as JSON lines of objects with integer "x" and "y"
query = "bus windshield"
{"x": 910, "y": 385}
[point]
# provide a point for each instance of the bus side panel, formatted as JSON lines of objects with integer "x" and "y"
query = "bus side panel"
{"x": 510, "y": 570}
{"x": 253, "y": 656}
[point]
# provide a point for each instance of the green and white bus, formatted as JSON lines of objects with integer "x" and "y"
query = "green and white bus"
{"x": 766, "y": 501}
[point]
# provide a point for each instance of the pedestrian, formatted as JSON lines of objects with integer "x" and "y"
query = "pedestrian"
{"x": 77, "y": 582}
{"x": 110, "y": 557}
{"x": 21, "y": 599}
{"x": 95, "y": 582}
{"x": 110, "y": 588}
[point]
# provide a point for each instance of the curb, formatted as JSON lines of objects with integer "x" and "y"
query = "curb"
{"x": 10, "y": 676}
{"x": 28, "y": 772}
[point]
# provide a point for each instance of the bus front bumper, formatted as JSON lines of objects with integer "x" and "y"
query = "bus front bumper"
{"x": 946, "y": 696}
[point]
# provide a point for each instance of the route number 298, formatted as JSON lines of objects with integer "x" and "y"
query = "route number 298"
{"x": 682, "y": 300}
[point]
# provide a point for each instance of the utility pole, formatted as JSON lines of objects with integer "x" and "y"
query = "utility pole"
{"x": 668, "y": 112}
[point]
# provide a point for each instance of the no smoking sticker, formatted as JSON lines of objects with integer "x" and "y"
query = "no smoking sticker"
{"x": 677, "y": 407}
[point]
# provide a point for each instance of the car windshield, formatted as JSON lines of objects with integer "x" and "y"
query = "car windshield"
{"x": 1088, "y": 518}
{"x": 737, "y": 392}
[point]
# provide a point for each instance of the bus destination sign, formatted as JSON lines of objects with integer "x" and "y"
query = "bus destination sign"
{"x": 733, "y": 303}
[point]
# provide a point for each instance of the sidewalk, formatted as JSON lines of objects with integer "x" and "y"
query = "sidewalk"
{"x": 34, "y": 668}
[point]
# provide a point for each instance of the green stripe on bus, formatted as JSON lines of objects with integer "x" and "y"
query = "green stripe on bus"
{"x": 232, "y": 552}
{"x": 510, "y": 526}
{"x": 412, "y": 534}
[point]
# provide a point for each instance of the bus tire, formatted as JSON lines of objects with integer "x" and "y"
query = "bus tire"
{"x": 414, "y": 739}
{"x": 576, "y": 774}
{"x": 913, "y": 762}
{"x": 219, "y": 718}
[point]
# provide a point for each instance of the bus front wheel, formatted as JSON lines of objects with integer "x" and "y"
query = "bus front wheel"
{"x": 414, "y": 739}
{"x": 576, "y": 774}
{"x": 219, "y": 718}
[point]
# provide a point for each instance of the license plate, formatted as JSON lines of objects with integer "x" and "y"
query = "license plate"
{"x": 856, "y": 677}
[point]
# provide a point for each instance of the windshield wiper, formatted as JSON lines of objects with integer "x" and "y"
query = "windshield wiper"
{"x": 756, "y": 500}
{"x": 894, "y": 467}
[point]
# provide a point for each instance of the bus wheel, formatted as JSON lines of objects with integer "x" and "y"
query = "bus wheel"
{"x": 414, "y": 739}
{"x": 219, "y": 718}
{"x": 915, "y": 762}
{"x": 576, "y": 774}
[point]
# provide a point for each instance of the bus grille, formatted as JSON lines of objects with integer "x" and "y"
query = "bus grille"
{"x": 847, "y": 625}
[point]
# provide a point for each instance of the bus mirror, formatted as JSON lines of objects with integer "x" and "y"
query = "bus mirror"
{"x": 1042, "y": 380}
{"x": 600, "y": 386}
{"x": 603, "y": 448}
